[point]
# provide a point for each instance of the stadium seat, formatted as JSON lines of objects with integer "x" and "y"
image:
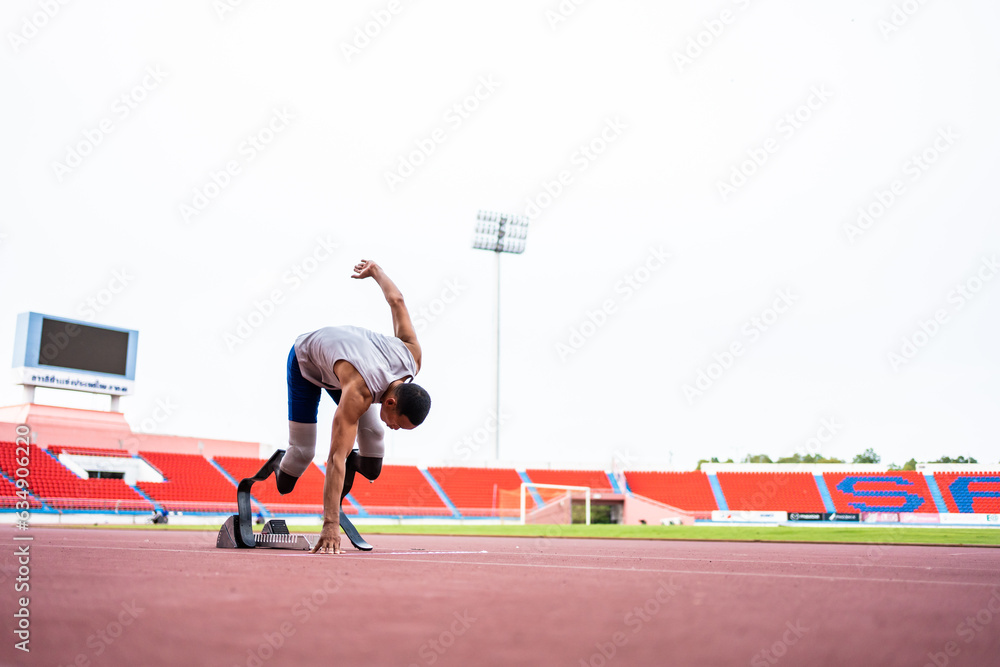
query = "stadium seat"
{"x": 771, "y": 491}
{"x": 191, "y": 484}
{"x": 965, "y": 492}
{"x": 9, "y": 497}
{"x": 60, "y": 488}
{"x": 399, "y": 490}
{"x": 482, "y": 491}
{"x": 684, "y": 490}
{"x": 893, "y": 491}
{"x": 305, "y": 498}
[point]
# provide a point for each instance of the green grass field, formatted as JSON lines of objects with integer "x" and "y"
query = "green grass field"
{"x": 830, "y": 534}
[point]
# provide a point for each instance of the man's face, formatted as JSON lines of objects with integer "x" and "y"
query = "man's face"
{"x": 390, "y": 415}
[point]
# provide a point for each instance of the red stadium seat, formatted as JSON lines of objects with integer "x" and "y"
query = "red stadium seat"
{"x": 684, "y": 490}
{"x": 191, "y": 484}
{"x": 482, "y": 491}
{"x": 771, "y": 491}
{"x": 305, "y": 498}
{"x": 970, "y": 492}
{"x": 60, "y": 488}
{"x": 597, "y": 480}
{"x": 399, "y": 490}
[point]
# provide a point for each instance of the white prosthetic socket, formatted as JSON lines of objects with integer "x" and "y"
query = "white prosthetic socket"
{"x": 371, "y": 434}
{"x": 301, "y": 448}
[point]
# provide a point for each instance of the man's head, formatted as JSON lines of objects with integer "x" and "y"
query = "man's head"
{"x": 406, "y": 406}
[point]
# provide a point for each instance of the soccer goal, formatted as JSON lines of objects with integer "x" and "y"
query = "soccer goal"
{"x": 557, "y": 503}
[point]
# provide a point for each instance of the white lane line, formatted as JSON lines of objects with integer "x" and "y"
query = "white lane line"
{"x": 423, "y": 553}
{"x": 779, "y": 575}
{"x": 600, "y": 569}
{"x": 754, "y": 562}
{"x": 291, "y": 553}
{"x": 364, "y": 554}
{"x": 193, "y": 550}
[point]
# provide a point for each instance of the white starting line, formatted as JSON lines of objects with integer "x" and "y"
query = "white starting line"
{"x": 414, "y": 552}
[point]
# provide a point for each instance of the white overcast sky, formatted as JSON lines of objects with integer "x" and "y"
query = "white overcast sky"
{"x": 868, "y": 87}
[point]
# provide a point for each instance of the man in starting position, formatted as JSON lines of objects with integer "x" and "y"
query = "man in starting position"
{"x": 368, "y": 375}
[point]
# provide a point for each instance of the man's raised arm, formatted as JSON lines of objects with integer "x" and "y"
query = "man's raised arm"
{"x": 401, "y": 325}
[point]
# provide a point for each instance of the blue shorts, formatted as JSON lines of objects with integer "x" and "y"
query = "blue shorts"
{"x": 303, "y": 395}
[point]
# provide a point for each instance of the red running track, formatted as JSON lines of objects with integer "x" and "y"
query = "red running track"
{"x": 118, "y": 597}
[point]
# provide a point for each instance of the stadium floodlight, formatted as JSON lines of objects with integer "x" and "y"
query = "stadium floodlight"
{"x": 500, "y": 233}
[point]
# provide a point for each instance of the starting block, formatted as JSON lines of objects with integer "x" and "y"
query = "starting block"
{"x": 274, "y": 536}
{"x": 237, "y": 531}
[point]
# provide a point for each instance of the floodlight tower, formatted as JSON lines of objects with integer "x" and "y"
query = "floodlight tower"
{"x": 500, "y": 233}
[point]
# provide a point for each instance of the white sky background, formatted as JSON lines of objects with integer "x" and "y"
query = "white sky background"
{"x": 656, "y": 185}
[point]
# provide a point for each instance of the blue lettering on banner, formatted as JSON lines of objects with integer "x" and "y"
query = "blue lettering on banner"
{"x": 911, "y": 500}
{"x": 965, "y": 497}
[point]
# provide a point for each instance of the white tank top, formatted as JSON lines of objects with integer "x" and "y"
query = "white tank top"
{"x": 379, "y": 359}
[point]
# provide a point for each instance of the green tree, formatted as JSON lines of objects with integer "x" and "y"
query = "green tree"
{"x": 757, "y": 458}
{"x": 867, "y": 456}
{"x": 807, "y": 458}
{"x": 715, "y": 459}
{"x": 960, "y": 459}
{"x": 910, "y": 465}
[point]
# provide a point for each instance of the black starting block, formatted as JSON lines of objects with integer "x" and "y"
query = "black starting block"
{"x": 274, "y": 536}
{"x": 237, "y": 531}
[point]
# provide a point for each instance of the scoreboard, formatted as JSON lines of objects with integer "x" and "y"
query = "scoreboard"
{"x": 68, "y": 354}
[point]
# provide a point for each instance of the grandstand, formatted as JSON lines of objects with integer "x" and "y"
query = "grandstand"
{"x": 399, "y": 491}
{"x": 68, "y": 478}
{"x": 895, "y": 491}
{"x": 597, "y": 480}
{"x": 190, "y": 484}
{"x": 305, "y": 498}
{"x": 60, "y": 488}
{"x": 690, "y": 491}
{"x": 965, "y": 493}
{"x": 8, "y": 493}
{"x": 481, "y": 491}
{"x": 775, "y": 491}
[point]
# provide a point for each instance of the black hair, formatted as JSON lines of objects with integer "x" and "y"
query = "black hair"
{"x": 413, "y": 402}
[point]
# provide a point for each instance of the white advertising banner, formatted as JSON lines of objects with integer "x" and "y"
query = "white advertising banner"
{"x": 978, "y": 519}
{"x": 98, "y": 384}
{"x": 749, "y": 517}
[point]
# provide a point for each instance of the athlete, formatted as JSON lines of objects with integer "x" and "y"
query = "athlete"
{"x": 369, "y": 377}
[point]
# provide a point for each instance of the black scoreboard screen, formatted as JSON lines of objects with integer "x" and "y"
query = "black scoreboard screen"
{"x": 83, "y": 348}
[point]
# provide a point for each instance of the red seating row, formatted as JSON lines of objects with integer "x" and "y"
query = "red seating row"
{"x": 190, "y": 484}
{"x": 482, "y": 491}
{"x": 685, "y": 490}
{"x": 305, "y": 498}
{"x": 771, "y": 492}
{"x": 399, "y": 490}
{"x": 9, "y": 497}
{"x": 963, "y": 492}
{"x": 193, "y": 483}
{"x": 60, "y": 488}
{"x": 597, "y": 480}
{"x": 899, "y": 490}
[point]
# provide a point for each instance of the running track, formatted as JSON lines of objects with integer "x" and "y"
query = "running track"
{"x": 116, "y": 597}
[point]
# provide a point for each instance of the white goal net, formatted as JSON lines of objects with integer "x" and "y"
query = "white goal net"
{"x": 556, "y": 504}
